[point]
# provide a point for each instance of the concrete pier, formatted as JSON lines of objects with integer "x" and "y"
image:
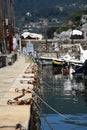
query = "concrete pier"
{"x": 13, "y": 109}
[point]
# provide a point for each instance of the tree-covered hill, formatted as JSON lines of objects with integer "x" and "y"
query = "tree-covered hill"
{"x": 23, "y": 6}
{"x": 59, "y": 9}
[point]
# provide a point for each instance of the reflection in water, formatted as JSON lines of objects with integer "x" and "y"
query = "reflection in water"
{"x": 65, "y": 95}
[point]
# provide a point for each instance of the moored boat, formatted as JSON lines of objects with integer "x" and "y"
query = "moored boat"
{"x": 81, "y": 72}
{"x": 57, "y": 63}
{"x": 45, "y": 60}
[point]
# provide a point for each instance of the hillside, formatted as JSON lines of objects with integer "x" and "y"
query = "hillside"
{"x": 59, "y": 9}
{"x": 23, "y": 6}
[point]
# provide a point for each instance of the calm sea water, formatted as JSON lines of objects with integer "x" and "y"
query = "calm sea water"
{"x": 65, "y": 101}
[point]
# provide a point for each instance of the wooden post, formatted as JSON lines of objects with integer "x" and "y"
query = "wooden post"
{"x": 2, "y": 26}
{"x": 11, "y": 22}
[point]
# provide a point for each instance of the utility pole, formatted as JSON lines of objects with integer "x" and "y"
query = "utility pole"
{"x": 11, "y": 22}
{"x": 2, "y": 25}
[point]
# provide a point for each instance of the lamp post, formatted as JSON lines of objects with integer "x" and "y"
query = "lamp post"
{"x": 70, "y": 24}
{"x": 72, "y": 36}
{"x": 45, "y": 25}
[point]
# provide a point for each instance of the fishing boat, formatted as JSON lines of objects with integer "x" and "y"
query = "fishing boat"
{"x": 75, "y": 64}
{"x": 81, "y": 72}
{"x": 45, "y": 60}
{"x": 62, "y": 61}
{"x": 57, "y": 63}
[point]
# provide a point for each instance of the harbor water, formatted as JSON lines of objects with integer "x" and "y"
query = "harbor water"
{"x": 64, "y": 105}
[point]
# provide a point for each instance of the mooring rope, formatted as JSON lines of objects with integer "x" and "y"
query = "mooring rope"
{"x": 48, "y": 105}
{"x": 17, "y": 126}
{"x": 46, "y": 84}
{"x": 51, "y": 108}
{"x": 43, "y": 114}
{"x": 7, "y": 126}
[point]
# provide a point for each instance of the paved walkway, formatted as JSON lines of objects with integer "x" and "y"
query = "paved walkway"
{"x": 10, "y": 115}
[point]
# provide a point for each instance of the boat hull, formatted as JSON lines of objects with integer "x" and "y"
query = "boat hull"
{"x": 56, "y": 63}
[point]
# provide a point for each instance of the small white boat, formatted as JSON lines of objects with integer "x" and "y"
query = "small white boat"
{"x": 45, "y": 60}
{"x": 60, "y": 62}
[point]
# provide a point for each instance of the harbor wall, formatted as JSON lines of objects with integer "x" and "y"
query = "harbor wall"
{"x": 47, "y": 45}
{"x": 18, "y": 86}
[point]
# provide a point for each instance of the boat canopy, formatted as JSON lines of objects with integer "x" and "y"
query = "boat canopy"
{"x": 31, "y": 35}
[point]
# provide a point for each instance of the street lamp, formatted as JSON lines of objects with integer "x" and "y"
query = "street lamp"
{"x": 45, "y": 25}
